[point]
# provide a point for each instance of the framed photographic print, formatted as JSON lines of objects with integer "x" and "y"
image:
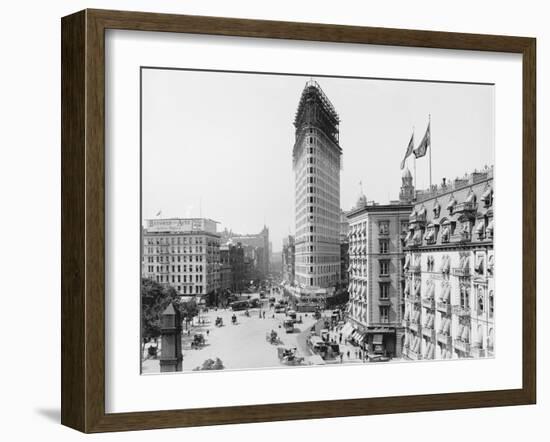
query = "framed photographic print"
{"x": 266, "y": 221}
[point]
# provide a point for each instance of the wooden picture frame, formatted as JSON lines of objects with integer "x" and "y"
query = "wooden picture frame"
{"x": 83, "y": 220}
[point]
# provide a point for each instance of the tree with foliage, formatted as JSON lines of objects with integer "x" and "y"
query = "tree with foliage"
{"x": 154, "y": 300}
{"x": 188, "y": 309}
{"x": 339, "y": 299}
{"x": 210, "y": 364}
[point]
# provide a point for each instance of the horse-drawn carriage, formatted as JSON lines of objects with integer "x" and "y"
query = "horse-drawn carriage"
{"x": 219, "y": 321}
{"x": 273, "y": 338}
{"x": 288, "y": 356}
{"x": 198, "y": 341}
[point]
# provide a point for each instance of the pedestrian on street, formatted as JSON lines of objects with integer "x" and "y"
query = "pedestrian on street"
{"x": 342, "y": 357}
{"x": 207, "y": 332}
{"x": 348, "y": 354}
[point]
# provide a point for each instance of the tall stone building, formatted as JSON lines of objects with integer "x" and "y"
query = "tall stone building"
{"x": 449, "y": 288}
{"x": 344, "y": 250}
{"x": 375, "y": 309}
{"x": 184, "y": 253}
{"x": 316, "y": 163}
{"x": 257, "y": 248}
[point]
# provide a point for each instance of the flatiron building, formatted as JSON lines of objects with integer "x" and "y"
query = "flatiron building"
{"x": 316, "y": 163}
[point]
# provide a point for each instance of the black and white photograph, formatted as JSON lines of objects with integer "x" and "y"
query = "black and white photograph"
{"x": 298, "y": 220}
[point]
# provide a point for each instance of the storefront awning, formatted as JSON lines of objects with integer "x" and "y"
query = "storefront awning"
{"x": 347, "y": 330}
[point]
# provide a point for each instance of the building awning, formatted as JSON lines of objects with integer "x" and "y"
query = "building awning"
{"x": 347, "y": 329}
{"x": 431, "y": 290}
{"x": 377, "y": 339}
{"x": 425, "y": 351}
{"x": 480, "y": 226}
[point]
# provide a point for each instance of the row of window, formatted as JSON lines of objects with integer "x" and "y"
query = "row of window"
{"x": 360, "y": 315}
{"x": 185, "y": 258}
{"x": 174, "y": 240}
{"x": 176, "y": 269}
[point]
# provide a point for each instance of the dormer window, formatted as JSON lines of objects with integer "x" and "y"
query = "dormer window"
{"x": 451, "y": 204}
{"x": 471, "y": 198}
{"x": 487, "y": 196}
{"x": 436, "y": 209}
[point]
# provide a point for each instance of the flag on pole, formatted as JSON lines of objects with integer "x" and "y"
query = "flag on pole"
{"x": 159, "y": 213}
{"x": 422, "y": 148}
{"x": 410, "y": 148}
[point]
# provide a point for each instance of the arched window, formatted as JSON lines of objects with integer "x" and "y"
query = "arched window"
{"x": 480, "y": 301}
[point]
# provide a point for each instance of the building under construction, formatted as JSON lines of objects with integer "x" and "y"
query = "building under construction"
{"x": 316, "y": 163}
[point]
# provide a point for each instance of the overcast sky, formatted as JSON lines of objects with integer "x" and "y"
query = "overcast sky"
{"x": 220, "y": 144}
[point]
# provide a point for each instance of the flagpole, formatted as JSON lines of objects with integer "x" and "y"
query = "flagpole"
{"x": 430, "y": 147}
{"x": 415, "y": 171}
{"x": 414, "y": 163}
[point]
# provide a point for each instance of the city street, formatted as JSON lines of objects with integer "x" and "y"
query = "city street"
{"x": 242, "y": 345}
